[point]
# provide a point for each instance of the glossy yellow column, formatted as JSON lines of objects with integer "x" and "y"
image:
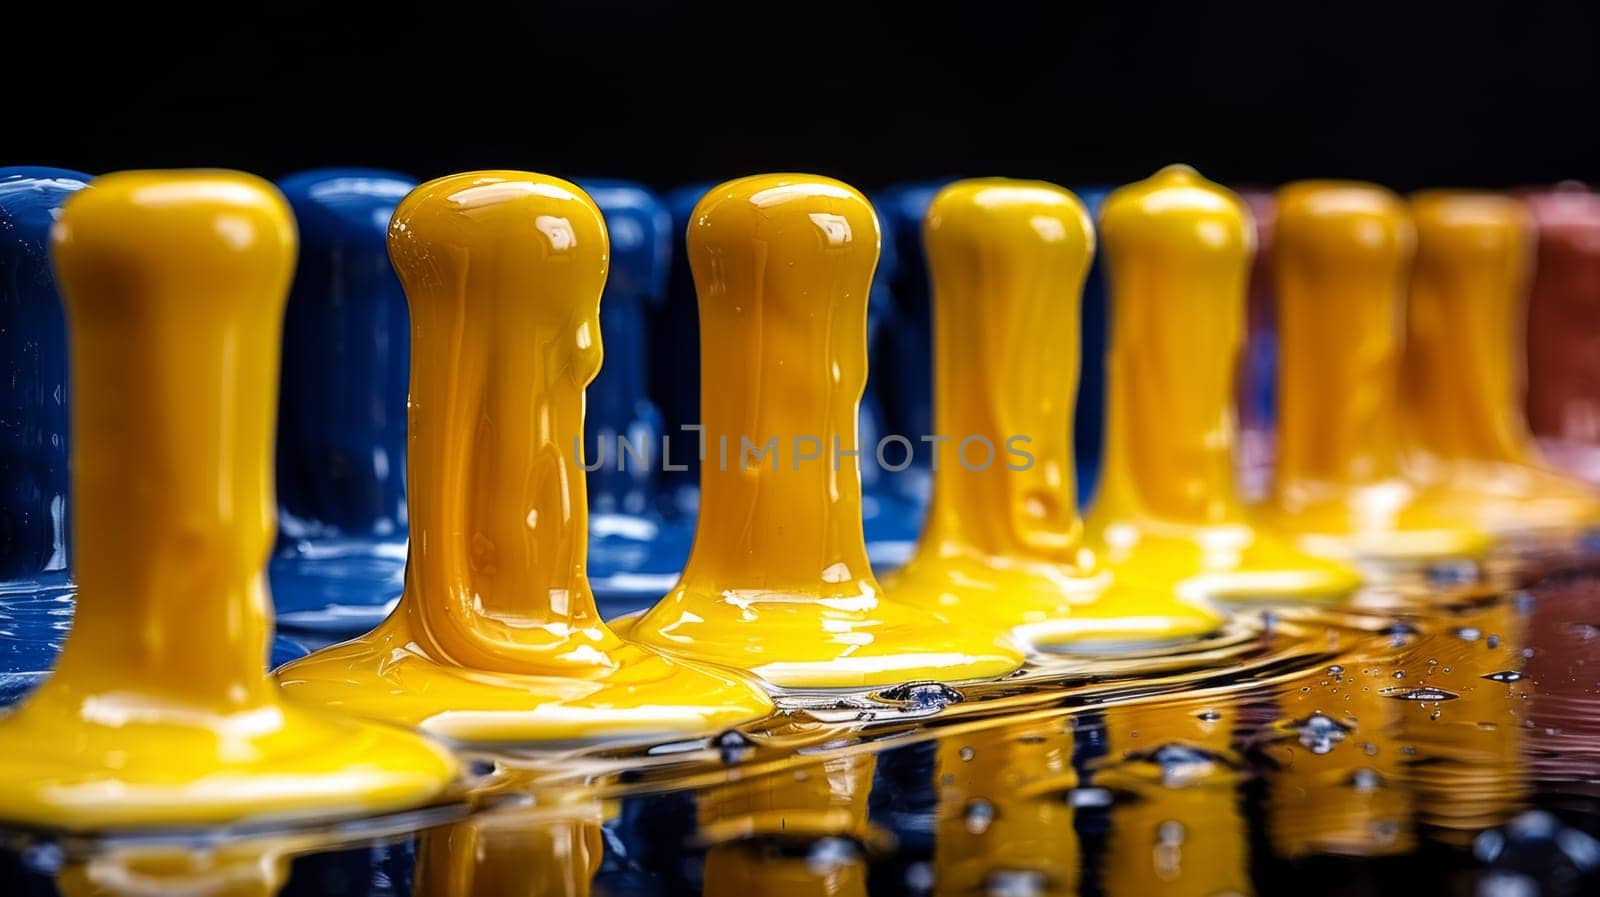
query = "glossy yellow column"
{"x": 496, "y": 637}
{"x": 160, "y": 711}
{"x": 1003, "y": 543}
{"x": 1177, "y": 259}
{"x": 778, "y": 581}
{"x": 1464, "y": 370}
{"x": 1004, "y": 817}
{"x": 1344, "y": 251}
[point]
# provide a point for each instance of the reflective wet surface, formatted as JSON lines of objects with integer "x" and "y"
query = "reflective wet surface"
{"x": 1421, "y": 742}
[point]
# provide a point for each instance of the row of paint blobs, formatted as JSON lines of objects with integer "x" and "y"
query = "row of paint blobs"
{"x": 1400, "y": 445}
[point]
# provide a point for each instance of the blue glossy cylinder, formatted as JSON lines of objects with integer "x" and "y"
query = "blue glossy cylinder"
{"x": 675, "y": 362}
{"x": 341, "y": 461}
{"x": 617, "y": 404}
{"x": 34, "y": 522}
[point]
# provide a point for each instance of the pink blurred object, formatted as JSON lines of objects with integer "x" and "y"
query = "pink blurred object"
{"x": 1257, "y": 367}
{"x": 1563, "y": 400}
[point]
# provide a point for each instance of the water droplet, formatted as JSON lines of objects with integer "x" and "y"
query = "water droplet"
{"x": 43, "y": 858}
{"x": 1433, "y": 715}
{"x": 1089, "y": 797}
{"x": 1493, "y": 642}
{"x": 1365, "y": 779}
{"x": 1182, "y": 764}
{"x": 978, "y": 815}
{"x": 922, "y": 696}
{"x": 1503, "y": 676}
{"x": 967, "y": 753}
{"x": 1538, "y": 840}
{"x": 1423, "y": 694}
{"x": 1209, "y": 716}
{"x": 919, "y": 877}
{"x": 1015, "y": 883}
{"x": 1336, "y": 669}
{"x": 1399, "y": 633}
{"x": 1468, "y": 633}
{"x": 734, "y": 746}
{"x": 828, "y": 855}
{"x": 1319, "y": 732}
{"x": 1447, "y": 573}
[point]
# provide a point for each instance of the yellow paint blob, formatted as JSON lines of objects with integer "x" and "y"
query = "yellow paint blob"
{"x": 1344, "y": 251}
{"x": 778, "y": 581}
{"x": 496, "y": 637}
{"x": 1177, "y": 252}
{"x": 1462, "y": 414}
{"x": 1003, "y": 543}
{"x": 160, "y": 711}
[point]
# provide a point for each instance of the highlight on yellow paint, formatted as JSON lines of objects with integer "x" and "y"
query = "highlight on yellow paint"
{"x": 1463, "y": 374}
{"x": 1177, "y": 250}
{"x": 496, "y": 636}
{"x": 1344, "y": 252}
{"x": 778, "y": 581}
{"x": 1003, "y": 544}
{"x": 160, "y": 711}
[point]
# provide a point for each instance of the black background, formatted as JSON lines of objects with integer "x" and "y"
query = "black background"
{"x": 1409, "y": 94}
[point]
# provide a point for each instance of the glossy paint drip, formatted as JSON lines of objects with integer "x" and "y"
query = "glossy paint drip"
{"x": 1004, "y": 541}
{"x": 1462, "y": 381}
{"x": 1177, "y": 253}
{"x": 497, "y": 636}
{"x": 1343, "y": 254}
{"x": 1003, "y": 536}
{"x": 779, "y": 582}
{"x": 160, "y": 711}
